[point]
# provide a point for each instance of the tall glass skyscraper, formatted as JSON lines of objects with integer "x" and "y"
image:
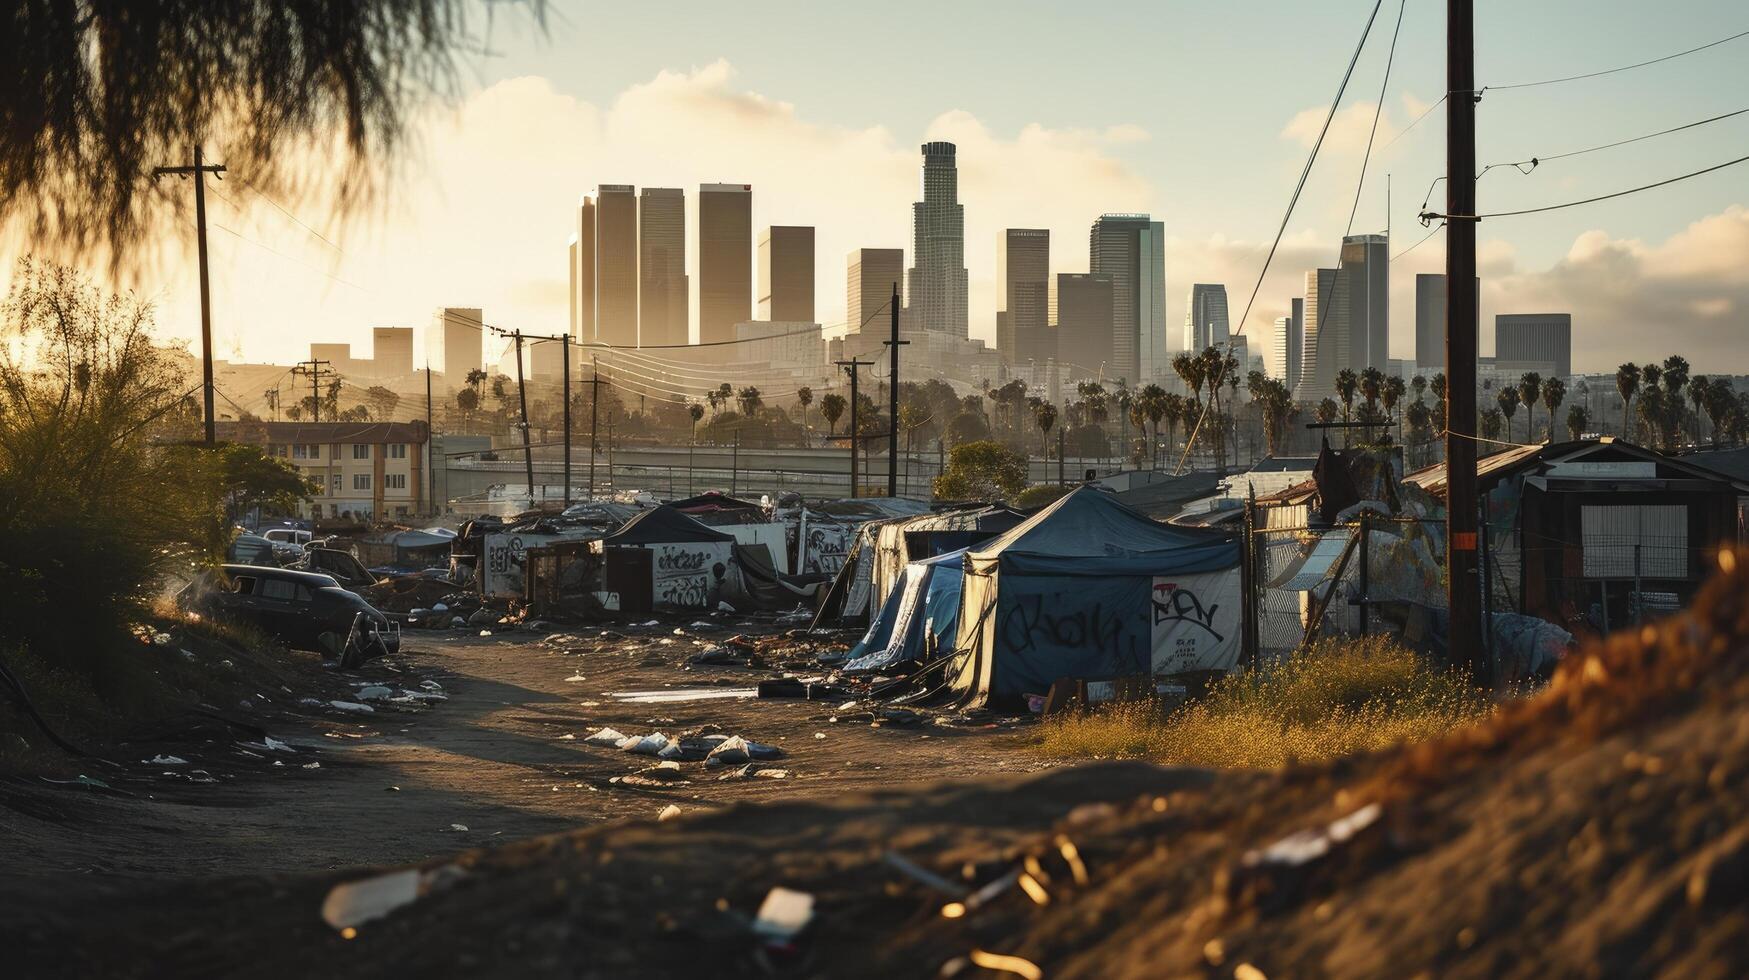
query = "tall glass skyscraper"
{"x": 936, "y": 289}
{"x": 1205, "y": 317}
{"x": 663, "y": 294}
{"x": 1130, "y": 248}
{"x": 725, "y": 259}
{"x": 1023, "y": 278}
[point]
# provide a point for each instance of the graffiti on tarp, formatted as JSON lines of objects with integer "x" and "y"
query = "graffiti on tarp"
{"x": 1176, "y": 604}
{"x": 1195, "y": 621}
{"x": 1032, "y": 623}
{"x": 685, "y": 574}
{"x": 828, "y": 544}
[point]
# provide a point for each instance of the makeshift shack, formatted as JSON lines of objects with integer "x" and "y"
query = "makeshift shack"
{"x": 662, "y": 558}
{"x": 1089, "y": 589}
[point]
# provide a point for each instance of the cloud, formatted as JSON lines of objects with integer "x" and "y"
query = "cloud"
{"x": 1630, "y": 300}
{"x": 1348, "y": 130}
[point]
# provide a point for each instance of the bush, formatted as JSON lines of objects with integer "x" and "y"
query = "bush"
{"x": 1341, "y": 697}
{"x": 1039, "y": 495}
{"x": 982, "y": 470}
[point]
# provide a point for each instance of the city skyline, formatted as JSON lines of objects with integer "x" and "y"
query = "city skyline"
{"x": 1648, "y": 258}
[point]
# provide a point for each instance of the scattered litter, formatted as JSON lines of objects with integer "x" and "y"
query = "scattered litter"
{"x": 167, "y": 760}
{"x": 432, "y": 686}
{"x": 819, "y": 734}
{"x": 312, "y": 765}
{"x": 353, "y": 706}
{"x": 375, "y": 692}
{"x": 354, "y": 903}
{"x": 701, "y": 625}
{"x": 725, "y": 607}
{"x": 1304, "y": 846}
{"x": 607, "y": 738}
{"x": 485, "y": 632}
{"x": 668, "y": 812}
{"x": 686, "y": 694}
{"x": 920, "y": 874}
{"x": 575, "y": 679}
{"x": 458, "y": 826}
{"x": 1007, "y": 964}
{"x": 648, "y": 745}
{"x": 783, "y": 915}
{"x": 567, "y": 737}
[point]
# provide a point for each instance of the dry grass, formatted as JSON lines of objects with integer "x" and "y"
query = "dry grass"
{"x": 1339, "y": 698}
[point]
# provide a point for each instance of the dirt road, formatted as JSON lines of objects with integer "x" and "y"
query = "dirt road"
{"x": 502, "y": 757}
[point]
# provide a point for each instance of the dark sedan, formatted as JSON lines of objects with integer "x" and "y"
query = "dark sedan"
{"x": 304, "y": 610}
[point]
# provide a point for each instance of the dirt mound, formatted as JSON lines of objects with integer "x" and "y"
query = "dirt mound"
{"x": 1601, "y": 828}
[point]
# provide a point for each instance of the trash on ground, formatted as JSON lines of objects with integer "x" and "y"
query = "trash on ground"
{"x": 647, "y": 745}
{"x": 1304, "y": 846}
{"x": 668, "y": 812}
{"x": 167, "y": 760}
{"x": 352, "y": 904}
{"x": 607, "y": 738}
{"x": 783, "y": 915}
{"x": 678, "y": 695}
{"x": 352, "y": 706}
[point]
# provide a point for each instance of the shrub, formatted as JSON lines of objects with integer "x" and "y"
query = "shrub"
{"x": 1341, "y": 697}
{"x": 982, "y": 470}
{"x": 1039, "y": 495}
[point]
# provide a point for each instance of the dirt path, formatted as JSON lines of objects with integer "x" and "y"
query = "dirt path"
{"x": 394, "y": 786}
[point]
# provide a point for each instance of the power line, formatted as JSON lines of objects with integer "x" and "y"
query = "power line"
{"x": 1611, "y": 71}
{"x": 258, "y": 192}
{"x": 1305, "y": 172}
{"x": 1429, "y": 215}
{"x": 1423, "y": 241}
{"x": 1425, "y": 113}
{"x": 1377, "y": 110}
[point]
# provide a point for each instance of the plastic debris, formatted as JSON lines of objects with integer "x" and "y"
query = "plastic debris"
{"x": 167, "y": 760}
{"x": 607, "y": 738}
{"x": 458, "y": 827}
{"x": 647, "y": 745}
{"x": 1007, "y": 964}
{"x": 783, "y": 915}
{"x": 1304, "y": 846}
{"x": 352, "y": 904}
{"x": 668, "y": 812}
{"x": 352, "y": 706}
{"x": 375, "y": 692}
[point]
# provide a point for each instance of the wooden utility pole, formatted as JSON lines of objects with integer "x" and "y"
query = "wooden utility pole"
{"x": 1463, "y": 588}
{"x": 853, "y": 365}
{"x": 199, "y": 172}
{"x": 565, "y": 396}
{"x": 594, "y": 416}
{"x": 522, "y": 405}
{"x": 315, "y": 370}
{"x": 893, "y": 345}
{"x": 430, "y": 444}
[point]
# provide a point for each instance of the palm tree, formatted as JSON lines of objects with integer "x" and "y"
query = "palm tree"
{"x": 750, "y": 400}
{"x": 1491, "y": 419}
{"x": 1650, "y": 374}
{"x": 1418, "y": 384}
{"x": 1530, "y": 389}
{"x": 1153, "y": 402}
{"x": 1392, "y": 395}
{"x": 1553, "y": 394}
{"x": 1578, "y": 417}
{"x": 804, "y": 398}
{"x": 1275, "y": 402}
{"x": 1372, "y": 385}
{"x": 1327, "y": 409}
{"x": 1347, "y": 382}
{"x": 1138, "y": 417}
{"x": 1627, "y": 384}
{"x": 1508, "y": 400}
{"x": 832, "y": 409}
{"x": 1045, "y": 415}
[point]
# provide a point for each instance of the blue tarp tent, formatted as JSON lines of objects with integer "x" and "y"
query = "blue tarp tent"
{"x": 1088, "y": 588}
{"x": 926, "y": 603}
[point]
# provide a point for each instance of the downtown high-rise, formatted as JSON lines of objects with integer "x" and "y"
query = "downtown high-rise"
{"x": 1348, "y": 314}
{"x": 870, "y": 277}
{"x": 1205, "y": 317}
{"x": 725, "y": 260}
{"x": 664, "y": 318}
{"x": 1130, "y": 249}
{"x": 1023, "y": 283}
{"x": 616, "y": 265}
{"x": 583, "y": 273}
{"x": 936, "y": 288}
{"x": 786, "y": 274}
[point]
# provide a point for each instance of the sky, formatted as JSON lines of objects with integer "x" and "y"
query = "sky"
{"x": 1198, "y": 113}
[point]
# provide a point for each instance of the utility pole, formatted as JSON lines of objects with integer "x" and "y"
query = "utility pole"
{"x": 565, "y": 396}
{"x": 1463, "y": 596}
{"x": 315, "y": 370}
{"x": 893, "y": 399}
{"x": 430, "y": 444}
{"x": 522, "y": 405}
{"x": 564, "y": 340}
{"x": 594, "y": 415}
{"x": 199, "y": 172}
{"x": 853, "y": 365}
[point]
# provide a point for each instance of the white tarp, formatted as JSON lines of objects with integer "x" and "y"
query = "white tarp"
{"x": 1196, "y": 622}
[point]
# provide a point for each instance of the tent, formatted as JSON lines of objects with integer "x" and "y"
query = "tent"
{"x": 897, "y": 543}
{"x": 663, "y": 558}
{"x": 925, "y": 605}
{"x": 1088, "y": 588}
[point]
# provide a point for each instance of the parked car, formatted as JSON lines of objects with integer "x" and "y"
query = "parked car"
{"x": 304, "y": 610}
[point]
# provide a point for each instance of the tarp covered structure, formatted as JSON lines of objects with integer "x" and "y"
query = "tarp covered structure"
{"x": 923, "y": 612}
{"x": 1088, "y": 588}
{"x": 662, "y": 525}
{"x": 897, "y": 543}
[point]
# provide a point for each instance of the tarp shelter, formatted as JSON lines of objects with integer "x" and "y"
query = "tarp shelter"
{"x": 753, "y": 583}
{"x": 1088, "y": 588}
{"x": 899, "y": 542}
{"x": 924, "y": 608}
{"x": 678, "y": 560}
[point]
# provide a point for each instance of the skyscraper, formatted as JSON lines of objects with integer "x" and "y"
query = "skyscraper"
{"x": 870, "y": 275}
{"x": 583, "y": 274}
{"x": 1429, "y": 322}
{"x": 786, "y": 274}
{"x": 1325, "y": 313}
{"x": 616, "y": 265}
{"x": 1130, "y": 249}
{"x": 453, "y": 346}
{"x": 1205, "y": 317}
{"x": 1084, "y": 320}
{"x": 725, "y": 259}
{"x": 663, "y": 293}
{"x": 1023, "y": 278}
{"x": 1284, "y": 361}
{"x": 1533, "y": 339}
{"x": 391, "y": 351}
{"x": 936, "y": 293}
{"x": 1366, "y": 261}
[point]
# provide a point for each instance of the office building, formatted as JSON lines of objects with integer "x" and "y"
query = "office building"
{"x": 936, "y": 289}
{"x": 391, "y": 352}
{"x": 454, "y": 345}
{"x": 1541, "y": 342}
{"x": 1023, "y": 277}
{"x": 1084, "y": 321}
{"x": 664, "y": 315}
{"x": 583, "y": 273}
{"x": 1430, "y": 321}
{"x": 1347, "y": 315}
{"x": 871, "y": 275}
{"x": 616, "y": 265}
{"x": 1325, "y": 309}
{"x": 1130, "y": 249}
{"x": 725, "y": 260}
{"x": 1205, "y": 317}
{"x": 1290, "y": 345}
{"x": 786, "y": 274}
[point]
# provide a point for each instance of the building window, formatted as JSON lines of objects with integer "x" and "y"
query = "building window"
{"x": 394, "y": 481}
{"x": 361, "y": 450}
{"x": 337, "y": 484}
{"x": 307, "y": 451}
{"x": 274, "y": 449}
{"x": 397, "y": 450}
{"x": 361, "y": 481}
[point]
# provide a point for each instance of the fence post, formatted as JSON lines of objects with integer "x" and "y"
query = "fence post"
{"x": 1365, "y": 563}
{"x": 1638, "y": 599}
{"x": 1487, "y": 591}
{"x": 1248, "y": 587}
